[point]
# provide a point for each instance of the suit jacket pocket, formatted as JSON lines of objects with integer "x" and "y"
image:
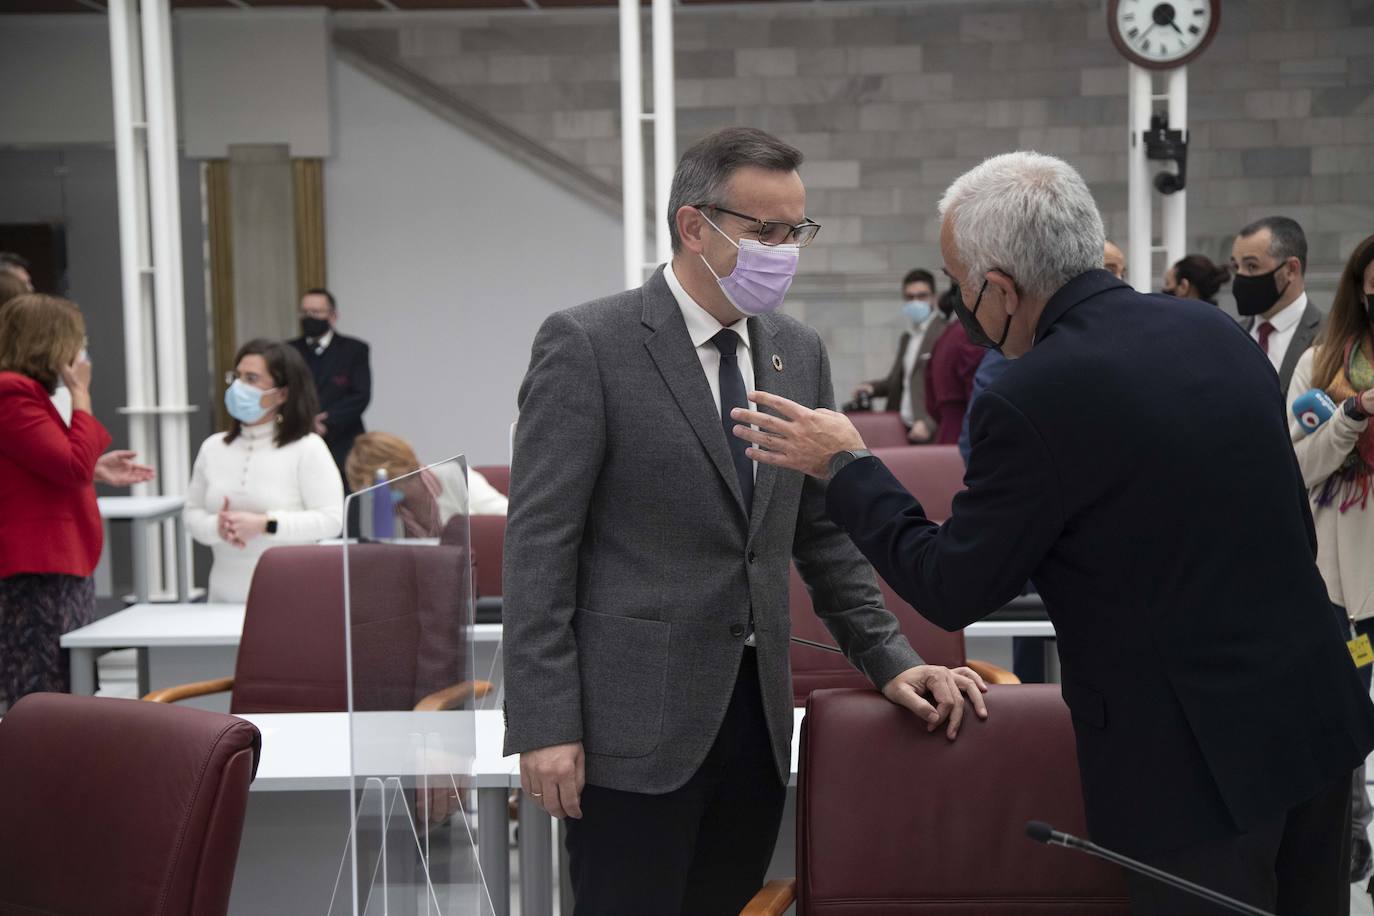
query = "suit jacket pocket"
{"x": 623, "y": 663}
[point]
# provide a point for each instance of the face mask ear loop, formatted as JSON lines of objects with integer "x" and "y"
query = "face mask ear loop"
{"x": 723, "y": 235}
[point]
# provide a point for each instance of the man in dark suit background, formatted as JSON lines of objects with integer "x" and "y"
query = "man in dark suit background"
{"x": 1133, "y": 462}
{"x": 1269, "y": 263}
{"x": 904, "y": 387}
{"x": 646, "y": 563}
{"x": 342, "y": 372}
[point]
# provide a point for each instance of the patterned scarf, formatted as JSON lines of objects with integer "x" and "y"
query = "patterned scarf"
{"x": 1351, "y": 482}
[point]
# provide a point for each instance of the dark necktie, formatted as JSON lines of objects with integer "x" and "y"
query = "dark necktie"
{"x": 732, "y": 396}
{"x": 1264, "y": 331}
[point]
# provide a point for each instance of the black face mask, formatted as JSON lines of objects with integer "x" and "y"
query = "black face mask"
{"x": 969, "y": 319}
{"x": 314, "y": 328}
{"x": 1258, "y": 294}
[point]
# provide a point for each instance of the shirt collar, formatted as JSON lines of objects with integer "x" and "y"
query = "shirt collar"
{"x": 1288, "y": 319}
{"x": 701, "y": 327}
{"x": 322, "y": 343}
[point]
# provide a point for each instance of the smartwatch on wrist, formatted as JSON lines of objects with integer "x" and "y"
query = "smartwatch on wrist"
{"x": 841, "y": 460}
{"x": 271, "y": 525}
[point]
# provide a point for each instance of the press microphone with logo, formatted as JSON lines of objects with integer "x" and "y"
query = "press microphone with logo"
{"x": 1042, "y": 832}
{"x": 1312, "y": 409}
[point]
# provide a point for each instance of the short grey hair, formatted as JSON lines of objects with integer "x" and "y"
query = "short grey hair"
{"x": 1286, "y": 238}
{"x": 1028, "y": 215}
{"x": 705, "y": 169}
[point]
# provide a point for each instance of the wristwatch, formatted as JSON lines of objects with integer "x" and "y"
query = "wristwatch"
{"x": 1353, "y": 409}
{"x": 271, "y": 525}
{"x": 841, "y": 460}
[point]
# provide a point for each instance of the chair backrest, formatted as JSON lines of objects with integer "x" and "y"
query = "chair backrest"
{"x": 932, "y": 473}
{"x": 919, "y": 824}
{"x": 120, "y": 807}
{"x": 408, "y": 639}
{"x": 498, "y": 475}
{"x": 488, "y": 553}
{"x": 815, "y": 669}
{"x": 880, "y": 428}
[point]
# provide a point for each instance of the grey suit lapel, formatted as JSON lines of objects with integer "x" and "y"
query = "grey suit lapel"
{"x": 671, "y": 348}
{"x": 768, "y": 354}
{"x": 1303, "y": 337}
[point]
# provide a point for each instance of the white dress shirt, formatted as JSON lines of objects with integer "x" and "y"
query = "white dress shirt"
{"x": 319, "y": 345}
{"x": 1285, "y": 326}
{"x": 701, "y": 327}
{"x": 297, "y": 484}
{"x": 913, "y": 349}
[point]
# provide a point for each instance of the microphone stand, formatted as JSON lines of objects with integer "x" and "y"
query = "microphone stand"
{"x": 1044, "y": 833}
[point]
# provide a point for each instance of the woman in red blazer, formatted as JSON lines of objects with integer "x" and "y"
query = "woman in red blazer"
{"x": 50, "y": 530}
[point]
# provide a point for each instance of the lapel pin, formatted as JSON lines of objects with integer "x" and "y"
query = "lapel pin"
{"x": 777, "y": 362}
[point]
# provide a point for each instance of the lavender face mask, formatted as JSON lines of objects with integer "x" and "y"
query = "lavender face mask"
{"x": 762, "y": 275}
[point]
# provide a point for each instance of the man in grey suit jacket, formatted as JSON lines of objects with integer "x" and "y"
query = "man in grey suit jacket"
{"x": 1269, "y": 260}
{"x": 905, "y": 383}
{"x": 646, "y": 561}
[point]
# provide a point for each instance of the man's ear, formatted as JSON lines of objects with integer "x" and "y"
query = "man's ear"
{"x": 691, "y": 226}
{"x": 1011, "y": 300}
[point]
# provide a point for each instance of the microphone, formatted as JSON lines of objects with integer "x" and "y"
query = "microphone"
{"x": 1042, "y": 832}
{"x": 1312, "y": 409}
{"x": 816, "y": 645}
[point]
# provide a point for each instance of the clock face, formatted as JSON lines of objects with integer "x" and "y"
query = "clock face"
{"x": 1162, "y": 34}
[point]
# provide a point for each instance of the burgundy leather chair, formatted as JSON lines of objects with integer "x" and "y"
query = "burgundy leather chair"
{"x": 408, "y": 643}
{"x": 498, "y": 475}
{"x": 932, "y": 473}
{"x": 880, "y": 428}
{"x": 816, "y": 669}
{"x": 488, "y": 533}
{"x": 921, "y": 825}
{"x": 120, "y": 808}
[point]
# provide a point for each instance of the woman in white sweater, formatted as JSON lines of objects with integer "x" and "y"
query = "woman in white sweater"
{"x": 269, "y": 480}
{"x": 1337, "y": 463}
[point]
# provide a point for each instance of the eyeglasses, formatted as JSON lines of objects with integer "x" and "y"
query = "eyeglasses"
{"x": 249, "y": 378}
{"x": 771, "y": 232}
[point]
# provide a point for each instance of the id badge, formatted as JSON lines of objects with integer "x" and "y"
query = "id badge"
{"x": 1361, "y": 651}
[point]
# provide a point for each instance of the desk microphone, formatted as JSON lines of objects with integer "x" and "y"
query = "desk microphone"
{"x": 816, "y": 645}
{"x": 1042, "y": 832}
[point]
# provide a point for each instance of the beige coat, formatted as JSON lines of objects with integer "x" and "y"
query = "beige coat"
{"x": 1345, "y": 541}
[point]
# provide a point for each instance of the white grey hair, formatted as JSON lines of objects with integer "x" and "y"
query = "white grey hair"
{"x": 1028, "y": 215}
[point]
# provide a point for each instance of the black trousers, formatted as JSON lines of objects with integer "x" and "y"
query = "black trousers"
{"x": 701, "y": 850}
{"x": 1296, "y": 865}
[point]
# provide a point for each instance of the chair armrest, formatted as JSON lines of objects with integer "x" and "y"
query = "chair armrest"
{"x": 773, "y": 899}
{"x": 453, "y": 697}
{"x": 187, "y": 691}
{"x": 991, "y": 673}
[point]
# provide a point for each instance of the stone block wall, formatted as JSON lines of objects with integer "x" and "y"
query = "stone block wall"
{"x": 891, "y": 101}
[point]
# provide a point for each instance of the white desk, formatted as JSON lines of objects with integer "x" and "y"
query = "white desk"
{"x": 310, "y": 753}
{"x": 995, "y": 629}
{"x": 141, "y": 512}
{"x": 179, "y": 643}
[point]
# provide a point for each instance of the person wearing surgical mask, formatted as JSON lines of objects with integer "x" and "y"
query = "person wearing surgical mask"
{"x": 1268, "y": 261}
{"x": 904, "y": 386}
{"x": 270, "y": 479}
{"x": 645, "y": 611}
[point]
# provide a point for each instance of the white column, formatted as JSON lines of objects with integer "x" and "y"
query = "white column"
{"x": 1174, "y": 210}
{"x": 665, "y": 123}
{"x": 168, "y": 300}
{"x": 632, "y": 143}
{"x": 1140, "y": 232}
{"x": 126, "y": 67}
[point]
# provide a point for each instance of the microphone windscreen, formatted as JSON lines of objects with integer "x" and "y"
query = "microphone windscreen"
{"x": 1039, "y": 831}
{"x": 1313, "y": 408}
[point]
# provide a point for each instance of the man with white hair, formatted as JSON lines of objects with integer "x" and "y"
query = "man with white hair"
{"x": 1217, "y": 713}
